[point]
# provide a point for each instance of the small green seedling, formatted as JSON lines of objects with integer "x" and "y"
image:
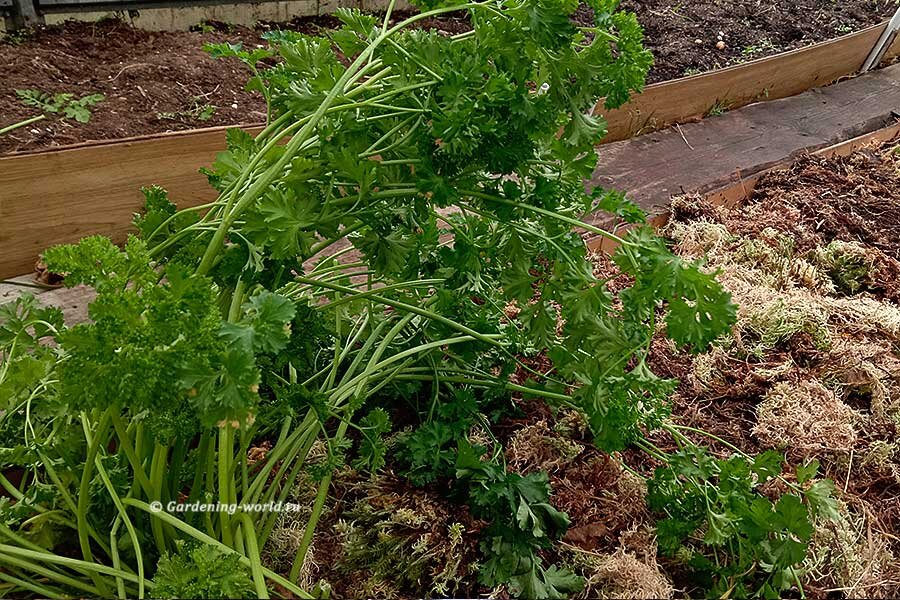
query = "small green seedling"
{"x": 197, "y": 111}
{"x": 62, "y": 103}
{"x": 67, "y": 104}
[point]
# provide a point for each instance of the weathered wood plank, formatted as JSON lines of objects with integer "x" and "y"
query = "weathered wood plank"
{"x": 771, "y": 78}
{"x": 25, "y": 14}
{"x": 60, "y": 196}
{"x": 736, "y": 193}
{"x": 698, "y": 157}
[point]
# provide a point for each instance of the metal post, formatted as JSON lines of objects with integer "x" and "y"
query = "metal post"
{"x": 6, "y": 15}
{"x": 884, "y": 42}
{"x": 25, "y": 14}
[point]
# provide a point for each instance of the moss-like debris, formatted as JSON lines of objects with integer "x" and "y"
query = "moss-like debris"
{"x": 805, "y": 417}
{"x": 405, "y": 543}
{"x": 620, "y": 575}
{"x": 812, "y": 365}
{"x": 849, "y": 555}
{"x": 848, "y": 264}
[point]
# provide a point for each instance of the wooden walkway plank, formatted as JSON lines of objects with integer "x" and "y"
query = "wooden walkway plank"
{"x": 698, "y": 157}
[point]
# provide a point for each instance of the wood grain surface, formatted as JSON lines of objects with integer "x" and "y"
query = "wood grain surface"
{"x": 719, "y": 151}
{"x": 60, "y": 196}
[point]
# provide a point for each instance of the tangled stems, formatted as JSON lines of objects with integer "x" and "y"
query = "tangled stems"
{"x": 233, "y": 208}
{"x": 577, "y": 223}
{"x": 206, "y": 539}
{"x": 84, "y": 498}
{"x": 123, "y": 517}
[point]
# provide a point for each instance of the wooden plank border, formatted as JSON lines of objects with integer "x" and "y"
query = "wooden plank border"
{"x": 688, "y": 98}
{"x": 63, "y": 195}
{"x": 779, "y": 76}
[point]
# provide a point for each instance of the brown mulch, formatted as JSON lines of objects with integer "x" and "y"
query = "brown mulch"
{"x": 816, "y": 201}
{"x": 853, "y": 198}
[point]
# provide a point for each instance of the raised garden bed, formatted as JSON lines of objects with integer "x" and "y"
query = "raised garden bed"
{"x": 53, "y": 195}
{"x": 811, "y": 368}
{"x": 194, "y": 402}
{"x": 683, "y": 35}
{"x": 391, "y": 323}
{"x": 162, "y": 81}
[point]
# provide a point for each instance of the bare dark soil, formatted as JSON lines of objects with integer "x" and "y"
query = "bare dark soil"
{"x": 683, "y": 35}
{"x": 145, "y": 76}
{"x": 161, "y": 81}
{"x": 153, "y": 81}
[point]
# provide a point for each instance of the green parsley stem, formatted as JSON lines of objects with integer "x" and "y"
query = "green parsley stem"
{"x": 24, "y": 123}
{"x": 202, "y": 537}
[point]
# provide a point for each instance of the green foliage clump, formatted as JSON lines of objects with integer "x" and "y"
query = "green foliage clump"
{"x": 352, "y": 277}
{"x": 735, "y": 539}
{"x": 136, "y": 352}
{"x": 523, "y": 522}
{"x": 25, "y": 325}
{"x": 430, "y": 450}
{"x": 66, "y": 104}
{"x": 848, "y": 264}
{"x": 198, "y": 570}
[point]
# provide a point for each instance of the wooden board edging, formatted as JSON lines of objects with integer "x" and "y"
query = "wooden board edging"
{"x": 778, "y": 76}
{"x": 60, "y": 196}
{"x": 680, "y": 100}
{"x": 37, "y": 209}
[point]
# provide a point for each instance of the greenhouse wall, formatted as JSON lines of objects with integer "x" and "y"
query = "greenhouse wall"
{"x": 182, "y": 17}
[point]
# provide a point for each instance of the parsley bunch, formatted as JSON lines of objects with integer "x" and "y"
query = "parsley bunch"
{"x": 362, "y": 256}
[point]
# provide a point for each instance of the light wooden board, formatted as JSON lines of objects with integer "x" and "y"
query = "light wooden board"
{"x": 74, "y": 301}
{"x": 60, "y": 196}
{"x": 779, "y": 76}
